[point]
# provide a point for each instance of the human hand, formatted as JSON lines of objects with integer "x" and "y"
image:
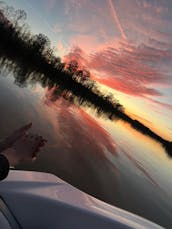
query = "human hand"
{"x": 24, "y": 149}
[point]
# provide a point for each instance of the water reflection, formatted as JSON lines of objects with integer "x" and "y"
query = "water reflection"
{"x": 94, "y": 155}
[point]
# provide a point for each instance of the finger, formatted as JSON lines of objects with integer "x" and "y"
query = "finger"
{"x": 19, "y": 133}
{"x": 32, "y": 136}
{"x": 24, "y": 128}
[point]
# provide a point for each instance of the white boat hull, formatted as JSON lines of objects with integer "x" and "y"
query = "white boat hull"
{"x": 42, "y": 200}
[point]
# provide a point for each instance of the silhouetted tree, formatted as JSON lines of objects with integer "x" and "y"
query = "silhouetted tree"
{"x": 41, "y": 43}
{"x": 72, "y": 66}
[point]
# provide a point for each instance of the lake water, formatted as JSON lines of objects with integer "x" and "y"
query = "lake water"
{"x": 107, "y": 159}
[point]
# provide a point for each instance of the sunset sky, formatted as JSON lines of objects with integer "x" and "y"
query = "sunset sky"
{"x": 126, "y": 44}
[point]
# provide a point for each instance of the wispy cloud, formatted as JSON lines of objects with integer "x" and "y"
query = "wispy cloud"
{"x": 130, "y": 69}
{"x": 116, "y": 19}
{"x": 133, "y": 64}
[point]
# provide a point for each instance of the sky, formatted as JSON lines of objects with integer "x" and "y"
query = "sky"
{"x": 126, "y": 44}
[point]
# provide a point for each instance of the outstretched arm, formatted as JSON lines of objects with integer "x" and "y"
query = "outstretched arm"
{"x": 19, "y": 147}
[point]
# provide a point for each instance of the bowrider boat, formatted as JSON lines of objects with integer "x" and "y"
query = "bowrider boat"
{"x": 36, "y": 200}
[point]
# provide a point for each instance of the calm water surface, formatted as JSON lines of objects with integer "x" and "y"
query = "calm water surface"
{"x": 107, "y": 159}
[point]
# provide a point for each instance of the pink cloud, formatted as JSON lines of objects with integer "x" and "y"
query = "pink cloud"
{"x": 131, "y": 69}
{"x": 131, "y": 61}
{"x": 127, "y": 68}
